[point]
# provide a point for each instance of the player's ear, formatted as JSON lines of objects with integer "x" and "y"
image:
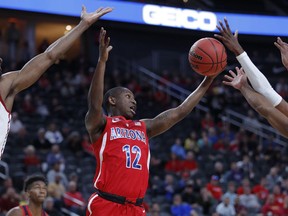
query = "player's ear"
{"x": 112, "y": 100}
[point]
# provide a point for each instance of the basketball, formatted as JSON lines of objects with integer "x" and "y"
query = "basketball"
{"x": 207, "y": 56}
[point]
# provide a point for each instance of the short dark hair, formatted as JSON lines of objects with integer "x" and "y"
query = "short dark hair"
{"x": 111, "y": 92}
{"x": 33, "y": 178}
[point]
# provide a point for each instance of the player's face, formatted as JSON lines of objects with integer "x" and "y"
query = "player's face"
{"x": 37, "y": 192}
{"x": 126, "y": 104}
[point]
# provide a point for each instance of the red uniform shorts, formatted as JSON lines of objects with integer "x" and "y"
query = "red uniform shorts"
{"x": 98, "y": 206}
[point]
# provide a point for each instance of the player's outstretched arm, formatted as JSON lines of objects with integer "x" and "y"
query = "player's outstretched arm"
{"x": 32, "y": 70}
{"x": 257, "y": 101}
{"x": 168, "y": 118}
{"x": 283, "y": 47}
{"x": 258, "y": 80}
{"x": 95, "y": 120}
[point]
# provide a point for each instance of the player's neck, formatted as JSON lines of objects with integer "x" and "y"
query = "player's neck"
{"x": 35, "y": 208}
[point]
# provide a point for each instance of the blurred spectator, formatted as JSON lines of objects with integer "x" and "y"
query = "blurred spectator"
{"x": 190, "y": 164}
{"x": 53, "y": 135}
{"x": 207, "y": 121}
{"x": 249, "y": 201}
{"x": 239, "y": 208}
{"x": 169, "y": 187}
{"x": 56, "y": 171}
{"x": 218, "y": 170}
{"x": 190, "y": 143}
{"x": 16, "y": 125}
{"x": 8, "y": 182}
{"x": 55, "y": 155}
{"x": 73, "y": 199}
{"x": 212, "y": 135}
{"x": 230, "y": 193}
{"x": 155, "y": 210}
{"x": 73, "y": 142}
{"x": 40, "y": 142}
{"x": 206, "y": 201}
{"x": 178, "y": 149}
{"x": 246, "y": 166}
{"x": 279, "y": 197}
{"x": 28, "y": 105}
{"x": 58, "y": 110}
{"x": 9, "y": 200}
{"x": 214, "y": 188}
{"x": 233, "y": 174}
{"x": 49, "y": 207}
{"x": 180, "y": 208}
{"x": 42, "y": 109}
{"x": 174, "y": 165}
{"x": 261, "y": 190}
{"x": 31, "y": 160}
{"x": 273, "y": 178}
{"x": 206, "y": 151}
{"x": 225, "y": 208}
{"x": 56, "y": 189}
{"x": 271, "y": 207}
{"x": 245, "y": 183}
{"x": 188, "y": 195}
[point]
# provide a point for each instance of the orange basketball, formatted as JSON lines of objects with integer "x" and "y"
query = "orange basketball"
{"x": 207, "y": 56}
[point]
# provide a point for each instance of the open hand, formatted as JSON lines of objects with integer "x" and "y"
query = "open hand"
{"x": 283, "y": 47}
{"x": 91, "y": 18}
{"x": 104, "y": 45}
{"x": 236, "y": 81}
{"x": 229, "y": 40}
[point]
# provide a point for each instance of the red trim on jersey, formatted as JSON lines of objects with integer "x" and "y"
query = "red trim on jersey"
{"x": 1, "y": 101}
{"x": 26, "y": 211}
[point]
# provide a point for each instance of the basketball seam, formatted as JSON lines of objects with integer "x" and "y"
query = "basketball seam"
{"x": 215, "y": 50}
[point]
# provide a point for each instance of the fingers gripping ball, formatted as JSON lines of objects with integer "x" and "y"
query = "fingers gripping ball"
{"x": 207, "y": 56}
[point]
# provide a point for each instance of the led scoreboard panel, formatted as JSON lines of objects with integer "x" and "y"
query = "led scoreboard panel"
{"x": 157, "y": 15}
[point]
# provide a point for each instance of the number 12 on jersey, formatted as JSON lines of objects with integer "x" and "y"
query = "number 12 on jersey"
{"x": 134, "y": 150}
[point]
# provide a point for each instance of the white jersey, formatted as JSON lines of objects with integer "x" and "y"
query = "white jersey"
{"x": 5, "y": 118}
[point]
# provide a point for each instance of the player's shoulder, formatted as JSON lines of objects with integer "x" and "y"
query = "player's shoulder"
{"x": 16, "y": 211}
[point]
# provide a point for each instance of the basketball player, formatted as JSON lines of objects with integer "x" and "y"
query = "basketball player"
{"x": 35, "y": 188}
{"x": 15, "y": 81}
{"x": 262, "y": 97}
{"x": 121, "y": 145}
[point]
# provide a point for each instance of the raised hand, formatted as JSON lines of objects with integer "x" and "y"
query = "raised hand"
{"x": 104, "y": 46}
{"x": 236, "y": 81}
{"x": 283, "y": 47}
{"x": 227, "y": 37}
{"x": 91, "y": 18}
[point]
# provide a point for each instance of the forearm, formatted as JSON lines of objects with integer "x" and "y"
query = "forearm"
{"x": 260, "y": 104}
{"x": 254, "y": 98}
{"x": 61, "y": 45}
{"x": 169, "y": 118}
{"x": 258, "y": 80}
{"x": 194, "y": 98}
{"x": 96, "y": 91}
{"x": 33, "y": 69}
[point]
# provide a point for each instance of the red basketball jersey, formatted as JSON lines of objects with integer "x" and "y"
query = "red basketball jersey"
{"x": 26, "y": 211}
{"x": 123, "y": 157}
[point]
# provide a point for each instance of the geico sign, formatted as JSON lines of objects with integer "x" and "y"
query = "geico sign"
{"x": 181, "y": 18}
